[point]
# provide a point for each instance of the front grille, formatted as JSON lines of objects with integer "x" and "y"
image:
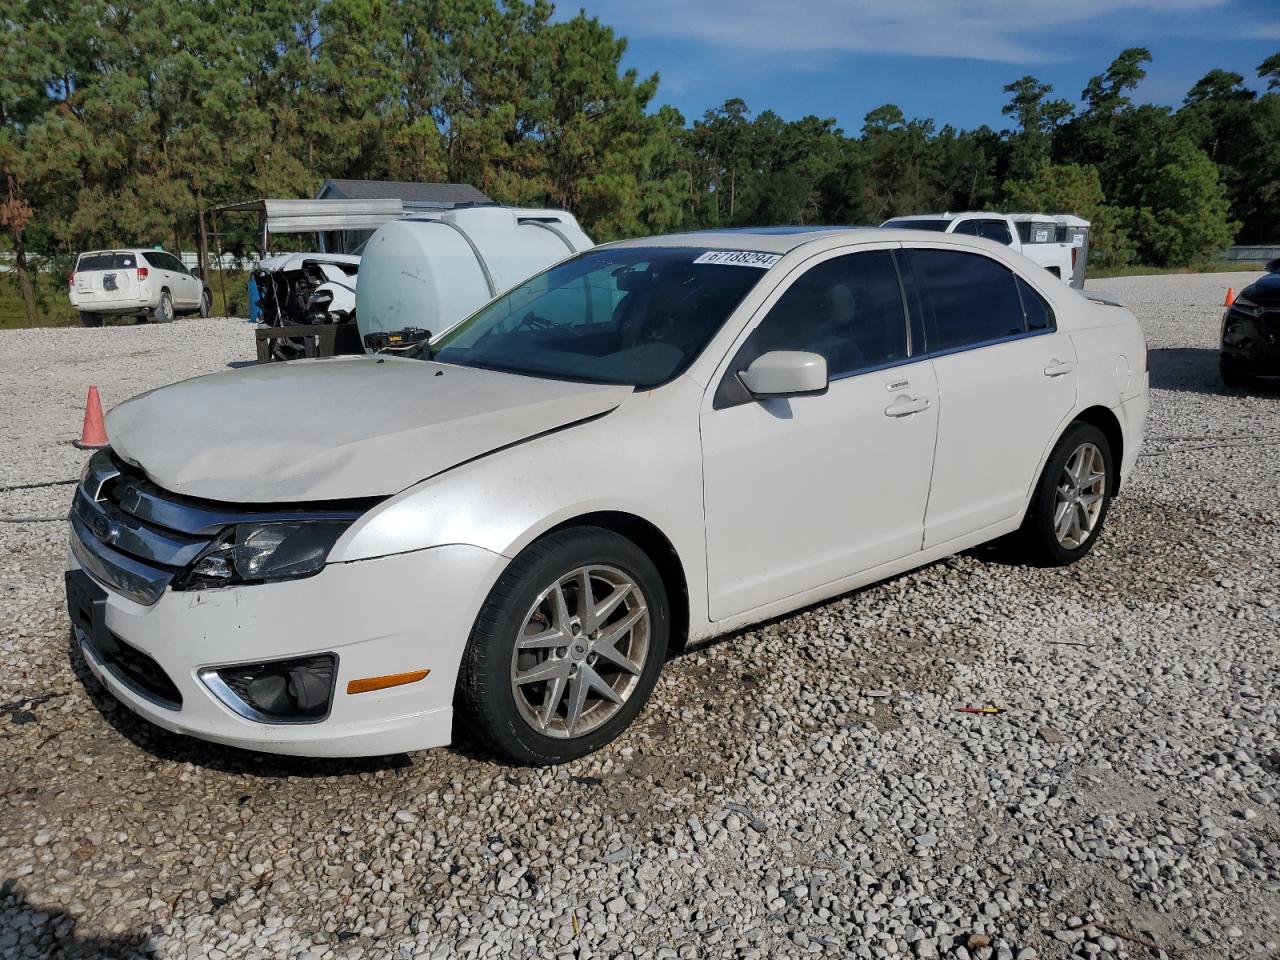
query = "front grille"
{"x": 136, "y": 538}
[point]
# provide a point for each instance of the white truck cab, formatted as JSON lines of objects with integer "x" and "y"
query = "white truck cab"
{"x": 1059, "y": 243}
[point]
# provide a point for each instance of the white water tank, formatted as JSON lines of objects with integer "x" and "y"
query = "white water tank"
{"x": 431, "y": 270}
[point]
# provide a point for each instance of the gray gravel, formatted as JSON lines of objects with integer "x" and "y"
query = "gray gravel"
{"x": 804, "y": 788}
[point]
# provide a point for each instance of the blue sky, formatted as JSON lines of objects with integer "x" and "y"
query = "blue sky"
{"x": 945, "y": 59}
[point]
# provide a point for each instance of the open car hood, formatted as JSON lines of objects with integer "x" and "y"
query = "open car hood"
{"x": 336, "y": 429}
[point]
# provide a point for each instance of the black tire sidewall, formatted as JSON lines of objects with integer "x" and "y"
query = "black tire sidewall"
{"x": 90, "y": 319}
{"x": 485, "y": 697}
{"x": 164, "y": 310}
{"x": 206, "y": 304}
{"x": 1038, "y": 529}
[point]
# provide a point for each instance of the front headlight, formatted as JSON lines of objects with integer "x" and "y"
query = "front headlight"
{"x": 258, "y": 552}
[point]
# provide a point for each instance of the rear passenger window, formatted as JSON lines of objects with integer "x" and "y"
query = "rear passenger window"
{"x": 996, "y": 230}
{"x": 974, "y": 300}
{"x": 1037, "y": 311}
{"x": 849, "y": 309}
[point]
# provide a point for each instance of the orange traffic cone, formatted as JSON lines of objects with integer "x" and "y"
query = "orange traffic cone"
{"x": 1230, "y": 298}
{"x": 94, "y": 434}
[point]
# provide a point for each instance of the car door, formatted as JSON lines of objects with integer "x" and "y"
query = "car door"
{"x": 187, "y": 288}
{"x": 803, "y": 491}
{"x": 1006, "y": 383}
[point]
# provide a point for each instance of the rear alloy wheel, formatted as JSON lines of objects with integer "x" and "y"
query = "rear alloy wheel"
{"x": 206, "y": 303}
{"x": 90, "y": 319}
{"x": 1071, "y": 500}
{"x": 164, "y": 309}
{"x": 567, "y": 648}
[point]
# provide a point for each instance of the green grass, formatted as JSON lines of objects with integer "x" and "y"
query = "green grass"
{"x": 54, "y": 309}
{"x": 1137, "y": 270}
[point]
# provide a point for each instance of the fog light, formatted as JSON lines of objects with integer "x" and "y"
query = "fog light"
{"x": 299, "y": 690}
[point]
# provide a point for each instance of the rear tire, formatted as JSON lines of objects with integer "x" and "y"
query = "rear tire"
{"x": 1071, "y": 499}
{"x": 608, "y": 657}
{"x": 90, "y": 319}
{"x": 206, "y": 303}
{"x": 164, "y": 309}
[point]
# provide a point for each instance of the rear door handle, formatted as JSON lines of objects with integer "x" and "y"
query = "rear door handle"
{"x": 1059, "y": 368}
{"x": 906, "y": 406}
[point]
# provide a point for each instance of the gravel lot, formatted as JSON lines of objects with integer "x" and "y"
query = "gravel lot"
{"x": 768, "y": 803}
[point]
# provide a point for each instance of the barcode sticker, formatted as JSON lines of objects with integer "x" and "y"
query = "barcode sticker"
{"x": 740, "y": 258}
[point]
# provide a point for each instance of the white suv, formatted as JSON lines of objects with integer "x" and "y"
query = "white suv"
{"x": 137, "y": 282}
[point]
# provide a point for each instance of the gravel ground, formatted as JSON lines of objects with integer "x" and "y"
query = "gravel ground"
{"x": 770, "y": 802}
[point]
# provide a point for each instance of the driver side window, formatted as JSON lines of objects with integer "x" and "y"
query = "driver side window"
{"x": 848, "y": 309}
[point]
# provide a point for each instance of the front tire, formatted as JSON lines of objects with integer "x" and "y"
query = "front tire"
{"x": 567, "y": 647}
{"x": 1071, "y": 499}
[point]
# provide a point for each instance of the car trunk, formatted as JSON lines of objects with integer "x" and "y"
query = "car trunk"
{"x": 105, "y": 278}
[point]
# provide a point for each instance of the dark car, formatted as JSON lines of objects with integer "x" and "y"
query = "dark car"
{"x": 1251, "y": 332}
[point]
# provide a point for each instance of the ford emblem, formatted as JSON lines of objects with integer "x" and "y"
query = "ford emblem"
{"x": 105, "y": 529}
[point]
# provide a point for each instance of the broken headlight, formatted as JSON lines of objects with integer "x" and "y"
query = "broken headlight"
{"x": 258, "y": 552}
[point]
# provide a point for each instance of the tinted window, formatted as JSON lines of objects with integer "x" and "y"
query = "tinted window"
{"x": 163, "y": 261}
{"x": 973, "y": 299}
{"x": 106, "y": 261}
{"x": 939, "y": 226}
{"x": 848, "y": 309}
{"x": 635, "y": 315}
{"x": 1037, "y": 311}
{"x": 967, "y": 228}
{"x": 996, "y": 230}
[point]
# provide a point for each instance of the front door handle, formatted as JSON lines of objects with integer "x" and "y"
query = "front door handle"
{"x": 1059, "y": 368}
{"x": 906, "y": 406}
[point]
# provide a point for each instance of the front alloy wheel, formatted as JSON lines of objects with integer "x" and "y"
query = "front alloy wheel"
{"x": 567, "y": 647}
{"x": 579, "y": 656}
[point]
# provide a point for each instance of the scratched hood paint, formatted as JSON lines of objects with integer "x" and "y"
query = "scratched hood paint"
{"x": 336, "y": 429}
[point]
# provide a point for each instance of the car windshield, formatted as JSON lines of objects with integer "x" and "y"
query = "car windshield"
{"x": 633, "y": 315}
{"x": 940, "y": 226}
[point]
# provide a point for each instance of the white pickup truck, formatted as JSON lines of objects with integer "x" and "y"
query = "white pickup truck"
{"x": 1059, "y": 243}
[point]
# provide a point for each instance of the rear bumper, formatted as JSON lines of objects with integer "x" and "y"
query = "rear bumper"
{"x": 391, "y": 615}
{"x": 1132, "y": 414}
{"x": 131, "y": 305}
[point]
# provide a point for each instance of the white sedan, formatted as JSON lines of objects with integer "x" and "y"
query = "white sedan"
{"x": 652, "y": 442}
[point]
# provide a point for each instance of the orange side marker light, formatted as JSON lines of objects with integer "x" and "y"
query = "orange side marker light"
{"x": 369, "y": 684}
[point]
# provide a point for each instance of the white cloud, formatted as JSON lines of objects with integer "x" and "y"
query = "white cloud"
{"x": 1004, "y": 30}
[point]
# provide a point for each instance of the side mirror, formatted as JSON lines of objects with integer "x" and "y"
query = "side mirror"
{"x": 1273, "y": 266}
{"x": 785, "y": 373}
{"x": 197, "y": 273}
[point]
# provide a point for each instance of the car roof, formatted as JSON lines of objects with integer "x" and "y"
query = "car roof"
{"x": 90, "y": 253}
{"x": 783, "y": 240}
{"x": 767, "y": 239}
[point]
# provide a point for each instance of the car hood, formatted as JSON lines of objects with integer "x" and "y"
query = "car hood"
{"x": 336, "y": 429}
{"x": 1266, "y": 289}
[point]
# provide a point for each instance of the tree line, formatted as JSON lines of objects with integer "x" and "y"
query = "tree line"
{"x": 120, "y": 120}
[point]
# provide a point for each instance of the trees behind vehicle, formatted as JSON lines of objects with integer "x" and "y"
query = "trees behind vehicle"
{"x": 118, "y": 123}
